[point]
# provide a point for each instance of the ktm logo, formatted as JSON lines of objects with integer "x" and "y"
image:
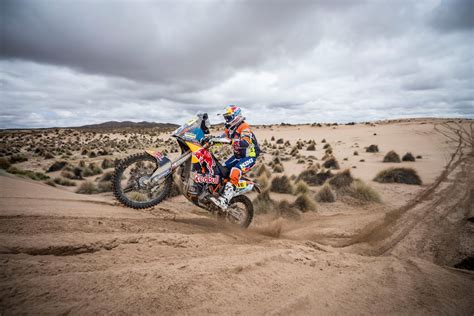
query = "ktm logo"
{"x": 206, "y": 179}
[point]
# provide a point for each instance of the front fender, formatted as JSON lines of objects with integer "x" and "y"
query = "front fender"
{"x": 164, "y": 165}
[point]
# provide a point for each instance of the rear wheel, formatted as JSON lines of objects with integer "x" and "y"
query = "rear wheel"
{"x": 131, "y": 185}
{"x": 240, "y": 211}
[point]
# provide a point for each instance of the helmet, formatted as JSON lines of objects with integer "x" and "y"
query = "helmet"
{"x": 232, "y": 116}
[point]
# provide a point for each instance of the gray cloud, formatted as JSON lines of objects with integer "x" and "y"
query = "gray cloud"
{"x": 80, "y": 62}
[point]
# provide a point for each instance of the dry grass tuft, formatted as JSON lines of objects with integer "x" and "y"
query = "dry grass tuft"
{"x": 301, "y": 187}
{"x": 304, "y": 203}
{"x": 372, "y": 149}
{"x": 331, "y": 163}
{"x": 281, "y": 185}
{"x": 342, "y": 179}
{"x": 391, "y": 156}
{"x": 4, "y": 163}
{"x": 313, "y": 177}
{"x": 87, "y": 188}
{"x": 363, "y": 192}
{"x": 398, "y": 175}
{"x": 64, "y": 181}
{"x": 326, "y": 194}
{"x": 408, "y": 157}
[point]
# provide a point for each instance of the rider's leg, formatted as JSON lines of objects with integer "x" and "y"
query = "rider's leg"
{"x": 243, "y": 166}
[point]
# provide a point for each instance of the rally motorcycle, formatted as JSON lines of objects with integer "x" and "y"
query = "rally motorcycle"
{"x": 145, "y": 179}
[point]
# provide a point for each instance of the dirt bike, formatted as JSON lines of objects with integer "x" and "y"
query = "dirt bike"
{"x": 145, "y": 179}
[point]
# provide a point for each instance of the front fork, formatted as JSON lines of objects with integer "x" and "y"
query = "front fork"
{"x": 166, "y": 166}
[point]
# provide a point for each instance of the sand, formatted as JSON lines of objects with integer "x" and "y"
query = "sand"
{"x": 65, "y": 253}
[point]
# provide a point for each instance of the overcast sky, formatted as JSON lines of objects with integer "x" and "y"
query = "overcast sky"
{"x": 70, "y": 63}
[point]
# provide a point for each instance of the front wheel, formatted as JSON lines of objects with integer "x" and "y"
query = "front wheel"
{"x": 131, "y": 185}
{"x": 240, "y": 211}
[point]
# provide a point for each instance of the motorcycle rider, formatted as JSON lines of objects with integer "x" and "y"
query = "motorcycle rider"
{"x": 245, "y": 153}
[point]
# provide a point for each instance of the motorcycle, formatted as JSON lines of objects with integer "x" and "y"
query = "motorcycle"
{"x": 145, "y": 179}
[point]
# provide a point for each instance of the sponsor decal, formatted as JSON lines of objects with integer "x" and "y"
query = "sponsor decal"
{"x": 190, "y": 135}
{"x": 158, "y": 155}
{"x": 199, "y": 178}
{"x": 205, "y": 159}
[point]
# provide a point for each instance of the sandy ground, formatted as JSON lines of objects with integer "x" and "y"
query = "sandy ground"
{"x": 65, "y": 253}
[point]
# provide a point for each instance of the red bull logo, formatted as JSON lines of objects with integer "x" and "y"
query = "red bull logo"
{"x": 206, "y": 179}
{"x": 205, "y": 159}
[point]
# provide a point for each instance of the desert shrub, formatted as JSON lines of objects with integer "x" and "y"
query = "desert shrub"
{"x": 304, "y": 203}
{"x": 326, "y": 146}
{"x": 262, "y": 169}
{"x": 56, "y": 166}
{"x": 311, "y": 147}
{"x": 313, "y": 177}
{"x": 280, "y": 141}
{"x": 18, "y": 158}
{"x": 301, "y": 187}
{"x": 356, "y": 153}
{"x": 92, "y": 154}
{"x": 64, "y": 181}
{"x": 326, "y": 194}
{"x": 342, "y": 179}
{"x": 104, "y": 186}
{"x": 50, "y": 182}
{"x": 294, "y": 151}
{"x": 281, "y": 185}
{"x": 324, "y": 140}
{"x": 285, "y": 209}
{"x": 263, "y": 202}
{"x": 372, "y": 149}
{"x": 273, "y": 138}
{"x": 398, "y": 175}
{"x": 331, "y": 163}
{"x": 38, "y": 176}
{"x": 278, "y": 168}
{"x": 408, "y": 157}
{"x": 48, "y": 155}
{"x": 87, "y": 188}
{"x": 137, "y": 196}
{"x": 419, "y": 157}
{"x": 263, "y": 181}
{"x": 300, "y": 161}
{"x": 107, "y": 163}
{"x": 363, "y": 192}
{"x": 4, "y": 163}
{"x": 391, "y": 156}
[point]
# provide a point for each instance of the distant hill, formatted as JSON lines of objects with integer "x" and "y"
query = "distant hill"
{"x": 128, "y": 124}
